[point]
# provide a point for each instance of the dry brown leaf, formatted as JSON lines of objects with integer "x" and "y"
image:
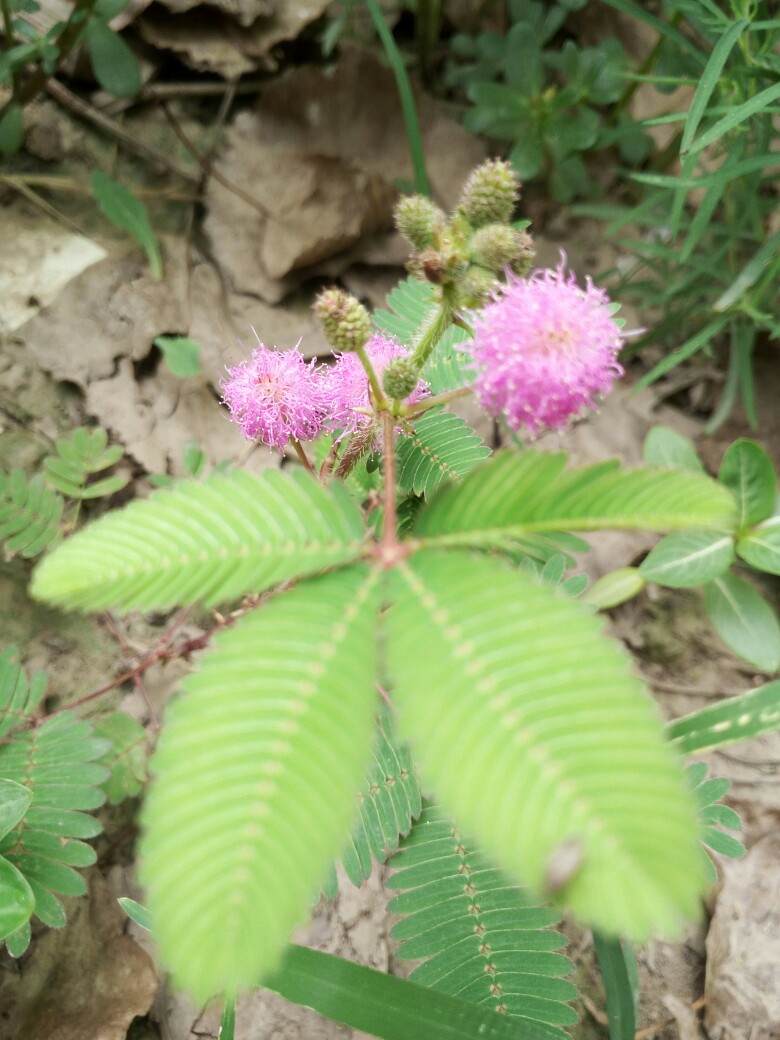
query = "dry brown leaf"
{"x": 244, "y": 11}
{"x": 87, "y": 981}
{"x": 38, "y": 257}
{"x": 322, "y": 153}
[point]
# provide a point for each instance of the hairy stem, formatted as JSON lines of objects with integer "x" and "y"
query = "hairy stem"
{"x": 434, "y": 331}
{"x": 416, "y": 410}
{"x": 389, "y": 535}
{"x": 380, "y": 401}
{"x": 302, "y": 456}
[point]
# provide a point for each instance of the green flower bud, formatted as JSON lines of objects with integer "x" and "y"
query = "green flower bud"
{"x": 496, "y": 245}
{"x": 400, "y": 378}
{"x": 346, "y": 322}
{"x": 475, "y": 287}
{"x": 490, "y": 194}
{"x": 419, "y": 220}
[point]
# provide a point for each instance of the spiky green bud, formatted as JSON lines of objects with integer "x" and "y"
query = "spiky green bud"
{"x": 497, "y": 245}
{"x": 490, "y": 194}
{"x": 345, "y": 321}
{"x": 475, "y": 287}
{"x": 400, "y": 378}
{"x": 419, "y": 220}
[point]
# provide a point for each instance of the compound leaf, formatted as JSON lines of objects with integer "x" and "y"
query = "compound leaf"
{"x": 485, "y": 939}
{"x": 18, "y": 697}
{"x": 442, "y": 445}
{"x": 78, "y": 457}
{"x": 518, "y": 707}
{"x": 207, "y": 540}
{"x": 257, "y": 770}
{"x": 29, "y": 513}
{"x": 713, "y": 817}
{"x": 516, "y": 494}
{"x": 389, "y": 801}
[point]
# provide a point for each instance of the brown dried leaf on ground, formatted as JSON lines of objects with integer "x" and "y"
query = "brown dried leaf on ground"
{"x": 213, "y": 42}
{"x": 87, "y": 981}
{"x": 743, "y": 949}
{"x": 99, "y": 334}
{"x": 38, "y": 257}
{"x": 322, "y": 153}
{"x": 244, "y": 11}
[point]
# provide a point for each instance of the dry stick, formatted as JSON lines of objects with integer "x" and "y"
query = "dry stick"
{"x": 81, "y": 108}
{"x": 19, "y": 184}
{"x": 644, "y": 1034}
{"x": 207, "y": 167}
{"x": 68, "y": 186}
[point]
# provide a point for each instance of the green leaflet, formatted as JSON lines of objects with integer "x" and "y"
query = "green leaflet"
{"x": 18, "y": 697}
{"x": 519, "y": 709}
{"x": 29, "y": 513}
{"x": 80, "y": 455}
{"x": 713, "y": 817}
{"x": 389, "y": 801}
{"x": 519, "y": 493}
{"x": 744, "y": 620}
{"x": 485, "y": 939}
{"x": 761, "y": 546}
{"x": 442, "y": 445}
{"x": 208, "y": 540}
{"x": 730, "y": 720}
{"x": 55, "y": 763}
{"x": 688, "y": 558}
{"x": 748, "y": 471}
{"x": 257, "y": 771}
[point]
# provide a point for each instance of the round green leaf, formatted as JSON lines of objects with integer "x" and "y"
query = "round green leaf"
{"x": 615, "y": 588}
{"x": 761, "y": 548}
{"x": 748, "y": 472}
{"x": 17, "y": 901}
{"x": 665, "y": 447}
{"x": 114, "y": 64}
{"x": 744, "y": 621}
{"x": 181, "y": 354}
{"x": 689, "y": 558}
{"x": 12, "y": 129}
{"x": 14, "y": 802}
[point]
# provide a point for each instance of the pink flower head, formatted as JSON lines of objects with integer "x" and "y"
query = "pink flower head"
{"x": 274, "y": 396}
{"x": 544, "y": 349}
{"x": 347, "y": 383}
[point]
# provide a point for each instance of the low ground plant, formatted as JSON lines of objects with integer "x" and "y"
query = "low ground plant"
{"x": 405, "y": 663}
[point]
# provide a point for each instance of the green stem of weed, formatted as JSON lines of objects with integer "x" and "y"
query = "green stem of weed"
{"x": 413, "y": 135}
{"x": 435, "y": 329}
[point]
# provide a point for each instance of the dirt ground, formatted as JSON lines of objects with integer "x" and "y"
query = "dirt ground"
{"x": 294, "y": 189}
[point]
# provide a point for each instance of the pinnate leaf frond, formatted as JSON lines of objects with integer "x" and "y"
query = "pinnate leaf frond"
{"x": 485, "y": 939}
{"x": 29, "y": 513}
{"x": 515, "y": 494}
{"x": 56, "y": 762}
{"x": 207, "y": 541}
{"x": 442, "y": 446}
{"x": 80, "y": 455}
{"x": 257, "y": 772}
{"x": 530, "y": 729}
{"x": 389, "y": 801}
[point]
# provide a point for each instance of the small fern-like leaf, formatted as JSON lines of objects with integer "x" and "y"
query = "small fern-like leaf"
{"x": 212, "y": 541}
{"x": 714, "y": 816}
{"x": 485, "y": 939}
{"x": 389, "y": 801}
{"x": 442, "y": 445}
{"x": 79, "y": 456}
{"x": 257, "y": 771}
{"x": 29, "y": 513}
{"x": 516, "y": 494}
{"x": 18, "y": 697}
{"x": 410, "y": 303}
{"x": 529, "y": 727}
{"x": 56, "y": 762}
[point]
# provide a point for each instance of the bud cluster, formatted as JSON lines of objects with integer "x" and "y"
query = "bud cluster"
{"x": 466, "y": 254}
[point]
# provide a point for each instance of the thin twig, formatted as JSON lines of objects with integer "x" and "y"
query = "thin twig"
{"x": 18, "y": 184}
{"x": 81, "y": 108}
{"x": 302, "y": 456}
{"x": 208, "y": 168}
{"x": 68, "y": 186}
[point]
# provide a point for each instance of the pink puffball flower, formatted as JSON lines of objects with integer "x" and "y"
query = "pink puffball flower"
{"x": 275, "y": 396}
{"x": 347, "y": 383}
{"x": 544, "y": 349}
